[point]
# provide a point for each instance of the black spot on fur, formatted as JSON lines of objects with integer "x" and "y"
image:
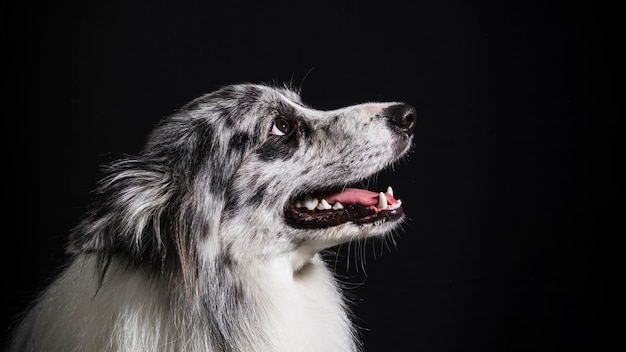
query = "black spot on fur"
{"x": 204, "y": 149}
{"x": 226, "y": 257}
{"x": 249, "y": 95}
{"x": 305, "y": 131}
{"x": 297, "y": 242}
{"x": 258, "y": 196}
{"x": 239, "y": 142}
{"x": 227, "y": 113}
{"x": 204, "y": 152}
{"x": 232, "y": 200}
{"x": 235, "y": 295}
{"x": 242, "y": 100}
{"x": 276, "y": 149}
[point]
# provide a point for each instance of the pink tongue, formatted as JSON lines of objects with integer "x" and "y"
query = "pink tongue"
{"x": 358, "y": 196}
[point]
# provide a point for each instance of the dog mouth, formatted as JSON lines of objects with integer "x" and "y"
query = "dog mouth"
{"x": 332, "y": 208}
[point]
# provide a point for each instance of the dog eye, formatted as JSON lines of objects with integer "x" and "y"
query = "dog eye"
{"x": 281, "y": 127}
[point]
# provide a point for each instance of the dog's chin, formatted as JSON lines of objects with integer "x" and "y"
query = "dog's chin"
{"x": 350, "y": 205}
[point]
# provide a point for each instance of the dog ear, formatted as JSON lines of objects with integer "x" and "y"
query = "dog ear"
{"x": 159, "y": 204}
{"x": 145, "y": 213}
{"x": 128, "y": 213}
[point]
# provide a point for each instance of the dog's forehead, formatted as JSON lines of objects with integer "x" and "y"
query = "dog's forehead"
{"x": 271, "y": 93}
{"x": 289, "y": 95}
{"x": 286, "y": 97}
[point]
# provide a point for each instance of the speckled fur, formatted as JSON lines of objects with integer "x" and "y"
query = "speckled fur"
{"x": 187, "y": 248}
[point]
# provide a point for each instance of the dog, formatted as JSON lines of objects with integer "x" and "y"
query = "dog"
{"x": 212, "y": 237}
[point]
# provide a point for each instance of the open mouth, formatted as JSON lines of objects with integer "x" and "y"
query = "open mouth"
{"x": 359, "y": 206}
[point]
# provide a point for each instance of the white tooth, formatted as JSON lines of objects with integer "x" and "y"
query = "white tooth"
{"x": 323, "y": 205}
{"x": 390, "y": 190}
{"x": 337, "y": 206}
{"x": 309, "y": 203}
{"x": 298, "y": 204}
{"x": 396, "y": 205}
{"x": 382, "y": 201}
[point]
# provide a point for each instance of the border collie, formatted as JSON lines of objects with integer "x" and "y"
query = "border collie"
{"x": 211, "y": 237}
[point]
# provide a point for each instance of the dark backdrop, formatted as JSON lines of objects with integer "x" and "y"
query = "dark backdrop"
{"x": 508, "y": 188}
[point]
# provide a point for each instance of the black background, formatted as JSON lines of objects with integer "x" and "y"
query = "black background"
{"x": 509, "y": 187}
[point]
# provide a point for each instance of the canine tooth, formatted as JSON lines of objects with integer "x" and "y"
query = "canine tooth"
{"x": 382, "y": 201}
{"x": 390, "y": 190}
{"x": 323, "y": 205}
{"x": 337, "y": 206}
{"x": 309, "y": 203}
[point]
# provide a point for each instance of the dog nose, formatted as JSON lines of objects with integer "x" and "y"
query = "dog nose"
{"x": 403, "y": 116}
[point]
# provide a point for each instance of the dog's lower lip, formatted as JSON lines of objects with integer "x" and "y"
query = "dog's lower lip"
{"x": 358, "y": 214}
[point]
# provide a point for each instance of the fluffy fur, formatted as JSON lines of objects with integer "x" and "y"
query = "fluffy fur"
{"x": 188, "y": 247}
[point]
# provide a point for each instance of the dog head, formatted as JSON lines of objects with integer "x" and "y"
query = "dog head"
{"x": 251, "y": 171}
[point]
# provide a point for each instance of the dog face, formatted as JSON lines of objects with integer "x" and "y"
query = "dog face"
{"x": 250, "y": 170}
{"x": 296, "y": 184}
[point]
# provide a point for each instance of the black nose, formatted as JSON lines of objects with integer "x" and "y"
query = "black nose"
{"x": 403, "y": 116}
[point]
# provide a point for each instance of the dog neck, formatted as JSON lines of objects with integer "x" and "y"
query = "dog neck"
{"x": 300, "y": 303}
{"x": 301, "y": 259}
